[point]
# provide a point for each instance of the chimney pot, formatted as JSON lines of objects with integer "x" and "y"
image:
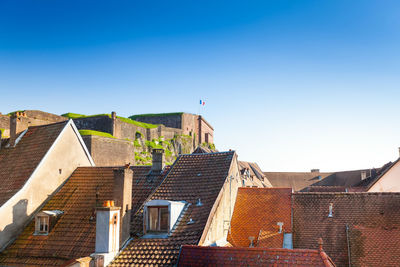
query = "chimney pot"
{"x": 320, "y": 243}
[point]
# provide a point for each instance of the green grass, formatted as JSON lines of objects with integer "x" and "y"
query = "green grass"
{"x": 134, "y": 117}
{"x": 91, "y": 132}
{"x": 71, "y": 115}
{"x": 138, "y": 123}
{"x": 12, "y": 113}
{"x": 153, "y": 145}
{"x": 136, "y": 144}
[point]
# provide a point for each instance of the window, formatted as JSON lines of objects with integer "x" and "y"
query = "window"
{"x": 158, "y": 219}
{"x": 42, "y": 225}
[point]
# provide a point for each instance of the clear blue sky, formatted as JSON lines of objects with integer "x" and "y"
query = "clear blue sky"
{"x": 292, "y": 85}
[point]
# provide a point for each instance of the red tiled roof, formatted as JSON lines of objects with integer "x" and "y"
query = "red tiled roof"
{"x": 311, "y": 221}
{"x": 190, "y": 178}
{"x": 18, "y": 163}
{"x": 378, "y": 246}
{"x": 74, "y": 235}
{"x": 228, "y": 256}
{"x": 257, "y": 212}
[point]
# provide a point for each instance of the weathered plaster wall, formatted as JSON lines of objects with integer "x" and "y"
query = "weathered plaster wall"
{"x": 109, "y": 151}
{"x": 66, "y": 154}
{"x": 389, "y": 182}
{"x": 221, "y": 215}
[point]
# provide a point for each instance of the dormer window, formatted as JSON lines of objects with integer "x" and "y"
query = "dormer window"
{"x": 42, "y": 225}
{"x": 160, "y": 217}
{"x": 45, "y": 220}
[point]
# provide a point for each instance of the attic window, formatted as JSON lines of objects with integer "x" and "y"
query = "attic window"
{"x": 45, "y": 220}
{"x": 158, "y": 219}
{"x": 42, "y": 225}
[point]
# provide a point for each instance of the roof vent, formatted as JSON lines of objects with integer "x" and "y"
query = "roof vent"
{"x": 190, "y": 221}
{"x": 251, "y": 238}
{"x": 199, "y": 203}
{"x": 330, "y": 210}
{"x": 280, "y": 224}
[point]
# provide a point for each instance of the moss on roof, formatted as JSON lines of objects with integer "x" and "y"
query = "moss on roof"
{"x": 133, "y": 117}
{"x": 98, "y": 133}
{"x": 71, "y": 115}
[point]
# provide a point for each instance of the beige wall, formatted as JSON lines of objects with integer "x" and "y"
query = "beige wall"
{"x": 66, "y": 154}
{"x": 223, "y": 209}
{"x": 389, "y": 182}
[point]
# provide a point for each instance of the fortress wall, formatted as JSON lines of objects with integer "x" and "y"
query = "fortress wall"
{"x": 101, "y": 123}
{"x": 172, "y": 121}
{"x": 109, "y": 151}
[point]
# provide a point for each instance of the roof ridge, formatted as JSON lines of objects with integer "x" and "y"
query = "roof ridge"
{"x": 346, "y": 193}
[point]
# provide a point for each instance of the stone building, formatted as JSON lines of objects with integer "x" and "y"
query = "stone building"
{"x": 190, "y": 124}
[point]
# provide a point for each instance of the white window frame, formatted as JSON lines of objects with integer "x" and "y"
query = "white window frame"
{"x": 42, "y": 220}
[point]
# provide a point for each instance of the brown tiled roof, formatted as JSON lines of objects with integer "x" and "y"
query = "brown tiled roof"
{"x": 299, "y": 181}
{"x": 74, "y": 234}
{"x": 255, "y": 172}
{"x": 190, "y": 178}
{"x": 257, "y": 212}
{"x": 378, "y": 246}
{"x": 230, "y": 256}
{"x": 143, "y": 184}
{"x": 311, "y": 221}
{"x": 202, "y": 150}
{"x": 18, "y": 163}
{"x": 295, "y": 180}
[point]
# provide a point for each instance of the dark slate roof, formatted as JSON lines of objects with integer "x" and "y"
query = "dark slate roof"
{"x": 74, "y": 235}
{"x": 370, "y": 210}
{"x": 18, "y": 163}
{"x": 257, "y": 212}
{"x": 229, "y": 256}
{"x": 191, "y": 177}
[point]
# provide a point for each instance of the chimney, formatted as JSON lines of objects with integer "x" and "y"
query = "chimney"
{"x": 123, "y": 198}
{"x": 18, "y": 124}
{"x": 399, "y": 151}
{"x": 314, "y": 170}
{"x": 107, "y": 231}
{"x": 363, "y": 175}
{"x": 158, "y": 163}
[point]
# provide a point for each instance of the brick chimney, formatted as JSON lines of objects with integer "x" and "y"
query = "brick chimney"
{"x": 18, "y": 124}
{"x": 158, "y": 163}
{"x": 107, "y": 232}
{"x": 123, "y": 198}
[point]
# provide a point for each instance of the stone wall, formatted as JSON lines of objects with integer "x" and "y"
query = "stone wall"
{"x": 99, "y": 123}
{"x": 174, "y": 120}
{"x": 109, "y": 151}
{"x": 206, "y": 133}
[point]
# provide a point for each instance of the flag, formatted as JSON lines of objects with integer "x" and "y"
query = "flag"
{"x": 202, "y": 102}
